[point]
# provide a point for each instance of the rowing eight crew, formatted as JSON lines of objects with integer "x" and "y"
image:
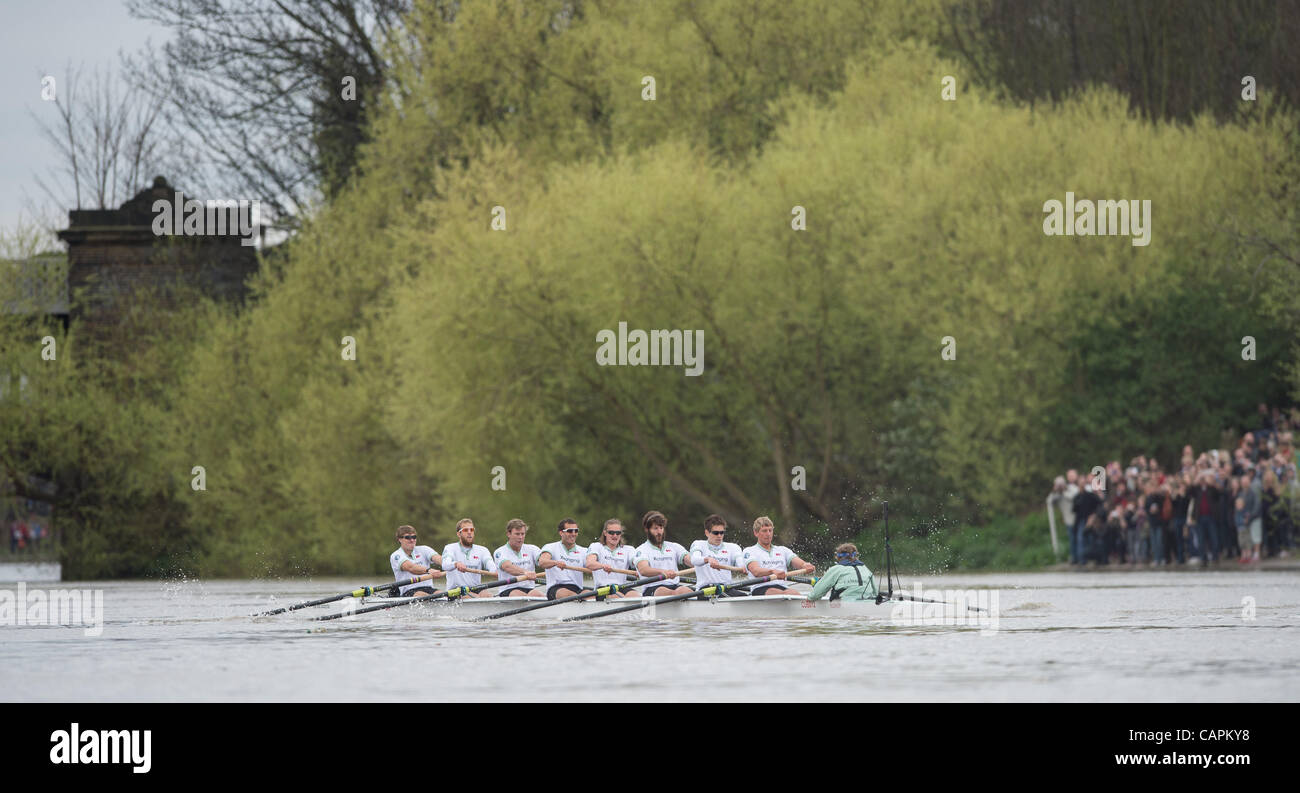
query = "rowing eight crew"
{"x": 609, "y": 561}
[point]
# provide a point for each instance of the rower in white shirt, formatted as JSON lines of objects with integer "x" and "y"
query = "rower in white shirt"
{"x": 462, "y": 558}
{"x": 518, "y": 559}
{"x": 610, "y": 554}
{"x": 563, "y": 562}
{"x": 657, "y": 556}
{"x": 713, "y": 559}
{"x": 765, "y": 559}
{"x": 411, "y": 560}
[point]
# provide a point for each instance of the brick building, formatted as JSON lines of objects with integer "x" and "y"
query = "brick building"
{"x": 115, "y": 253}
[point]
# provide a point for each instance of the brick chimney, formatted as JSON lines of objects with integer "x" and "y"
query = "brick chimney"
{"x": 114, "y": 253}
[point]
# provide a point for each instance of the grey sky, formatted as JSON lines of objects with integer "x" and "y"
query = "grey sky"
{"x": 39, "y": 37}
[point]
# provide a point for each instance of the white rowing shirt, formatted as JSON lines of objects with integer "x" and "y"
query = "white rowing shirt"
{"x": 575, "y": 556}
{"x": 778, "y": 558}
{"x": 476, "y": 558}
{"x": 420, "y": 554}
{"x": 526, "y": 558}
{"x": 620, "y": 559}
{"x": 727, "y": 553}
{"x": 662, "y": 558}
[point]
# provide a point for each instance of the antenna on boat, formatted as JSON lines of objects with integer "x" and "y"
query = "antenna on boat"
{"x": 889, "y": 563}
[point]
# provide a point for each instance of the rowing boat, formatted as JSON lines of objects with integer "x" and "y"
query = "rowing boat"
{"x": 753, "y": 607}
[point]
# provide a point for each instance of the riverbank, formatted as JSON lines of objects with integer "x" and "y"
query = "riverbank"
{"x": 1226, "y": 566}
{"x": 1008, "y": 545}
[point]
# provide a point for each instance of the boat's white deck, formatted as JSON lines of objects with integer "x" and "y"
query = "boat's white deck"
{"x": 761, "y": 607}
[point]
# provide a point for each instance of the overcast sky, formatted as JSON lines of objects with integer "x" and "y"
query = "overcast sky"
{"x": 40, "y": 37}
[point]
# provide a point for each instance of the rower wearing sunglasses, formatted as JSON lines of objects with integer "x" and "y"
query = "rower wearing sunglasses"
{"x": 610, "y": 554}
{"x": 463, "y": 558}
{"x": 714, "y": 559}
{"x": 765, "y": 559}
{"x": 412, "y": 560}
{"x": 563, "y": 562}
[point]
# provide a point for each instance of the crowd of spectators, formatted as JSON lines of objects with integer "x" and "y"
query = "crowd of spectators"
{"x": 25, "y": 534}
{"x": 1212, "y": 506}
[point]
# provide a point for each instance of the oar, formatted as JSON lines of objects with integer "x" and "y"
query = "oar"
{"x": 645, "y": 603}
{"x": 365, "y": 591}
{"x": 475, "y": 571}
{"x": 603, "y": 591}
{"x": 450, "y": 594}
{"x": 616, "y": 571}
{"x": 900, "y": 596}
{"x": 725, "y": 567}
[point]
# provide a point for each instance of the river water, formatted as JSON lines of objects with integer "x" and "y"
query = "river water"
{"x": 1088, "y": 636}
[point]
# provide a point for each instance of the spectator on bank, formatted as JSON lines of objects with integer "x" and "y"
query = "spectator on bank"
{"x": 1226, "y": 517}
{"x": 1114, "y": 537}
{"x": 1243, "y": 530}
{"x": 1180, "y": 529}
{"x": 1139, "y": 536}
{"x": 1092, "y": 543}
{"x": 1265, "y": 423}
{"x": 1251, "y": 503}
{"x": 1086, "y": 504}
{"x": 1064, "y": 489}
{"x": 1206, "y": 505}
{"x": 1289, "y": 497}
{"x": 1154, "y": 507}
{"x": 1287, "y": 449}
{"x": 1268, "y": 509}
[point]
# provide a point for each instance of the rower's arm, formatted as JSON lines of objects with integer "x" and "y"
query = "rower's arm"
{"x": 545, "y": 561}
{"x": 415, "y": 568}
{"x": 643, "y": 567}
{"x": 808, "y": 569}
{"x": 512, "y": 568}
{"x": 825, "y": 584}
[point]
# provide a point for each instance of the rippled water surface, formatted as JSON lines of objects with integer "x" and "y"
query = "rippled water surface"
{"x": 1109, "y": 636}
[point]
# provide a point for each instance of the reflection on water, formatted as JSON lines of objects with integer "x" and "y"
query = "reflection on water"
{"x": 1202, "y": 636}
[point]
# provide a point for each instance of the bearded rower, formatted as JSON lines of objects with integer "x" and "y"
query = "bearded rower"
{"x": 563, "y": 562}
{"x": 765, "y": 559}
{"x": 608, "y": 555}
{"x": 656, "y": 556}
{"x": 411, "y": 560}
{"x": 462, "y": 558}
{"x": 715, "y": 560}
{"x": 517, "y": 558}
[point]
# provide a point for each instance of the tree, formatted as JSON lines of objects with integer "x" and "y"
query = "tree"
{"x": 278, "y": 92}
{"x": 108, "y": 138}
{"x": 1171, "y": 58}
